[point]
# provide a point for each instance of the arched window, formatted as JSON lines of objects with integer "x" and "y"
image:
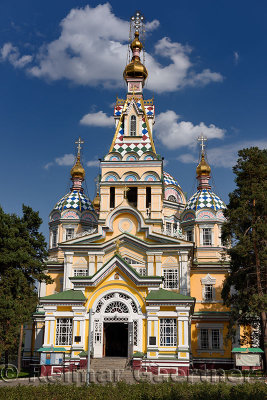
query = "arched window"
{"x": 133, "y": 125}
{"x": 172, "y": 198}
{"x": 116, "y": 306}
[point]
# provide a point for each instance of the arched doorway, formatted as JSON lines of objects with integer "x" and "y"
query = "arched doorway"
{"x": 117, "y": 321}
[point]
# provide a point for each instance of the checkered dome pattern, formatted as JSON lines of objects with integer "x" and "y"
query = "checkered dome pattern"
{"x": 205, "y": 198}
{"x": 143, "y": 144}
{"x": 169, "y": 180}
{"x": 74, "y": 200}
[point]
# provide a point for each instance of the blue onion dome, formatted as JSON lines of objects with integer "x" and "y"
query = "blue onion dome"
{"x": 205, "y": 198}
{"x": 169, "y": 180}
{"x": 74, "y": 200}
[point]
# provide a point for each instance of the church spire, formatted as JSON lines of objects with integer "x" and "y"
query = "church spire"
{"x": 135, "y": 72}
{"x": 77, "y": 172}
{"x": 203, "y": 169}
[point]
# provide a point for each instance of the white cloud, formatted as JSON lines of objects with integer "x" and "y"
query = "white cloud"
{"x": 93, "y": 163}
{"x": 66, "y": 160}
{"x": 174, "y": 134}
{"x": 97, "y": 119}
{"x": 236, "y": 57}
{"x": 11, "y": 53}
{"x": 187, "y": 158}
{"x": 92, "y": 48}
{"x": 224, "y": 156}
{"x": 48, "y": 165}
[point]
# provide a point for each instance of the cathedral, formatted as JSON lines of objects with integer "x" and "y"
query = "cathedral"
{"x": 138, "y": 271}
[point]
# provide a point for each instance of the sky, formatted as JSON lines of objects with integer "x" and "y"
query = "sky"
{"x": 61, "y": 66}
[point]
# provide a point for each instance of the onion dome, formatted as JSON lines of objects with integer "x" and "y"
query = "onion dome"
{"x": 169, "y": 180}
{"x": 203, "y": 167}
{"x": 205, "y": 198}
{"x": 74, "y": 200}
{"x": 96, "y": 202}
{"x": 135, "y": 69}
{"x": 77, "y": 170}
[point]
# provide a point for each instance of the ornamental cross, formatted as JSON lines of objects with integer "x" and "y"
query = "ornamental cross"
{"x": 137, "y": 20}
{"x": 202, "y": 139}
{"x": 79, "y": 142}
{"x": 125, "y": 190}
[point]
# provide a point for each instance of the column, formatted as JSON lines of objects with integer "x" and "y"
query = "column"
{"x": 68, "y": 261}
{"x": 158, "y": 255}
{"x": 183, "y": 333}
{"x": 91, "y": 265}
{"x": 99, "y": 260}
{"x": 183, "y": 260}
{"x": 152, "y": 331}
{"x": 150, "y": 263}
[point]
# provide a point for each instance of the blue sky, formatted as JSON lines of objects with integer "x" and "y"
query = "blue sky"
{"x": 61, "y": 63}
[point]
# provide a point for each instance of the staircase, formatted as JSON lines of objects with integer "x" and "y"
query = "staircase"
{"x": 111, "y": 369}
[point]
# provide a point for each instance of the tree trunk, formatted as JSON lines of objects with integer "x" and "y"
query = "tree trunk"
{"x": 20, "y": 347}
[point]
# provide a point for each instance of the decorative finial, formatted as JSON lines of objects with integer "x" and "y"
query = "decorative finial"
{"x": 202, "y": 139}
{"x": 203, "y": 169}
{"x": 77, "y": 172}
{"x": 135, "y": 72}
{"x": 79, "y": 142}
{"x": 117, "y": 247}
{"x": 137, "y": 20}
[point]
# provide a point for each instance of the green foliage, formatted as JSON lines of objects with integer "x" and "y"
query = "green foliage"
{"x": 142, "y": 391}
{"x": 22, "y": 251}
{"x": 246, "y": 229}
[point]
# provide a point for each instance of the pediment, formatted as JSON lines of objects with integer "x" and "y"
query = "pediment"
{"x": 116, "y": 265}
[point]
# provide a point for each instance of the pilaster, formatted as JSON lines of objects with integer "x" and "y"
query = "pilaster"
{"x": 68, "y": 262}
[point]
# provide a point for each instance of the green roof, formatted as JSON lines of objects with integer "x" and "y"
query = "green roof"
{"x": 162, "y": 294}
{"x": 66, "y": 295}
{"x": 51, "y": 349}
{"x": 83, "y": 353}
{"x": 247, "y": 350}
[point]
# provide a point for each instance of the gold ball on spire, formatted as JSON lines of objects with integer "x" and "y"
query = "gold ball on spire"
{"x": 77, "y": 170}
{"x": 135, "y": 69}
{"x": 136, "y": 42}
{"x": 203, "y": 167}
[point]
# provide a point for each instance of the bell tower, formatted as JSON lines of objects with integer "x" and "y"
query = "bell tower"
{"x": 132, "y": 162}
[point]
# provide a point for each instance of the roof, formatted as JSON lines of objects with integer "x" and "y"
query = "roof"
{"x": 205, "y": 198}
{"x": 247, "y": 350}
{"x": 169, "y": 180}
{"x": 74, "y": 200}
{"x": 51, "y": 349}
{"x": 66, "y": 295}
{"x": 145, "y": 142}
{"x": 163, "y": 294}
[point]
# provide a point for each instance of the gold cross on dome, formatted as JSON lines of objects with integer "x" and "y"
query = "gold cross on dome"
{"x": 79, "y": 142}
{"x": 202, "y": 139}
{"x": 125, "y": 190}
{"x": 137, "y": 20}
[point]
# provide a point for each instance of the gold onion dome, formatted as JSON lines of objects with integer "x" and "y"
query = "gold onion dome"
{"x": 135, "y": 69}
{"x": 77, "y": 170}
{"x": 203, "y": 167}
{"x": 96, "y": 201}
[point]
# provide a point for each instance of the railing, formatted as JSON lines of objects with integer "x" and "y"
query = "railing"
{"x": 178, "y": 233}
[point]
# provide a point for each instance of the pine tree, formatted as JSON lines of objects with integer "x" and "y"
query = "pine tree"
{"x": 245, "y": 290}
{"x": 22, "y": 251}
